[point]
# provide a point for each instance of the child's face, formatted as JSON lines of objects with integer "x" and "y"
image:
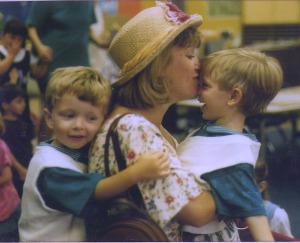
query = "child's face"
{"x": 216, "y": 100}
{"x": 16, "y": 107}
{"x": 74, "y": 122}
{"x": 12, "y": 39}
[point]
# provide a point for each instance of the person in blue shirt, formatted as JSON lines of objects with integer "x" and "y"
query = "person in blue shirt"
{"x": 222, "y": 153}
{"x": 58, "y": 193}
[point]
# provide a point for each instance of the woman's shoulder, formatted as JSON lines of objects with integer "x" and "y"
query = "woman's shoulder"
{"x": 131, "y": 121}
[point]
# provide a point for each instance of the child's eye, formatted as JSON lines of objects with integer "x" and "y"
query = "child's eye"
{"x": 70, "y": 115}
{"x": 67, "y": 115}
{"x": 191, "y": 56}
{"x": 92, "y": 118}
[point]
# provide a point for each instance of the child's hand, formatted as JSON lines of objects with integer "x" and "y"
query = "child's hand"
{"x": 152, "y": 165}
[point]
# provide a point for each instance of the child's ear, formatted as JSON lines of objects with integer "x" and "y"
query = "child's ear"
{"x": 48, "y": 118}
{"x": 236, "y": 96}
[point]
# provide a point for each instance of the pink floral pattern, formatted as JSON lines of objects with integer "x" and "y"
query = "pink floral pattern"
{"x": 9, "y": 198}
{"x": 163, "y": 197}
{"x": 173, "y": 13}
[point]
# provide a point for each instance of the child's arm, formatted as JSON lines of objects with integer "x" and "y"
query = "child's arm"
{"x": 149, "y": 166}
{"x": 5, "y": 175}
{"x": 20, "y": 168}
{"x": 259, "y": 228}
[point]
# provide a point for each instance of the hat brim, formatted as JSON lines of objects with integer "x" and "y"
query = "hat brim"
{"x": 194, "y": 21}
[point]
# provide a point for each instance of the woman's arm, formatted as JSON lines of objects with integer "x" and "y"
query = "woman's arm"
{"x": 198, "y": 211}
{"x": 180, "y": 194}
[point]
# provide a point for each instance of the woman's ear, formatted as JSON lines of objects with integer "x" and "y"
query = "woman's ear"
{"x": 236, "y": 96}
{"x": 48, "y": 118}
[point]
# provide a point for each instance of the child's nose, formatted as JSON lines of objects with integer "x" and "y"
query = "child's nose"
{"x": 78, "y": 123}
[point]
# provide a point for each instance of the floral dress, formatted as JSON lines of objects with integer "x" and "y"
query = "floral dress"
{"x": 163, "y": 198}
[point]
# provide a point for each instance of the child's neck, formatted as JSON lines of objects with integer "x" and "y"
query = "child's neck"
{"x": 235, "y": 123}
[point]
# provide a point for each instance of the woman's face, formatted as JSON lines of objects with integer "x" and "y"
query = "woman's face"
{"x": 182, "y": 73}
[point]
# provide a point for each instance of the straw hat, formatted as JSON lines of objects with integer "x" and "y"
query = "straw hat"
{"x": 146, "y": 35}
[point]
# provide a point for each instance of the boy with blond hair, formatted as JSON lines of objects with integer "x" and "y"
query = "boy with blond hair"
{"x": 58, "y": 193}
{"x": 222, "y": 153}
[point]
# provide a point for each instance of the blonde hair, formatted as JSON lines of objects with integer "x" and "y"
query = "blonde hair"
{"x": 258, "y": 76}
{"x": 147, "y": 89}
{"x": 84, "y": 82}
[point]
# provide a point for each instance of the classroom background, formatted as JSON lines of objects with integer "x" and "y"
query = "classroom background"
{"x": 270, "y": 26}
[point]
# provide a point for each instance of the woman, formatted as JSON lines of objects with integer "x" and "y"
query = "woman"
{"x": 155, "y": 51}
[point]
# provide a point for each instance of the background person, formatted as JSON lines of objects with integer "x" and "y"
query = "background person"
{"x": 18, "y": 133}
{"x": 60, "y": 32}
{"x": 9, "y": 198}
{"x": 17, "y": 62}
{"x": 277, "y": 216}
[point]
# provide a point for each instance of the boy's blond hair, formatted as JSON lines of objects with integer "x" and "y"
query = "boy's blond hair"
{"x": 84, "y": 82}
{"x": 259, "y": 76}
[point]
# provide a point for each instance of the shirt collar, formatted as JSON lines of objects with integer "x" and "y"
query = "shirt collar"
{"x": 80, "y": 155}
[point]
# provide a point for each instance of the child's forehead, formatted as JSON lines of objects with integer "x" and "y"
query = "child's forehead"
{"x": 70, "y": 96}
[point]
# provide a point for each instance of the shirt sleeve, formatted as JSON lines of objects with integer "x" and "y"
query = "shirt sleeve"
{"x": 38, "y": 13}
{"x": 93, "y": 18}
{"x": 67, "y": 190}
{"x": 281, "y": 223}
{"x": 235, "y": 191}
